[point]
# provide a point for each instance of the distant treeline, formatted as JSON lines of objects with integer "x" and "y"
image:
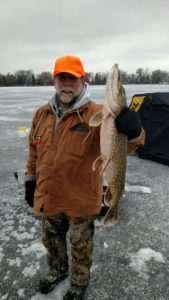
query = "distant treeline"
{"x": 27, "y": 78}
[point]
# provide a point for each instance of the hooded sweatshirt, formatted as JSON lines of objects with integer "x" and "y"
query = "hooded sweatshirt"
{"x": 83, "y": 99}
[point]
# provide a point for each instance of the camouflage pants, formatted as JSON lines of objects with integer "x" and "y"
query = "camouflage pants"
{"x": 54, "y": 230}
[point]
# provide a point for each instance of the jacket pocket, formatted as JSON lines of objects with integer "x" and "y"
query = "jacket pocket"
{"x": 79, "y": 140}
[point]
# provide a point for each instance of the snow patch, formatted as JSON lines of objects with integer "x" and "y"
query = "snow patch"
{"x": 21, "y": 228}
{"x": 137, "y": 189}
{"x": 140, "y": 258}
{"x": 33, "y": 230}
{"x": 1, "y": 254}
{"x": 4, "y": 237}
{"x": 105, "y": 245}
{"x": 8, "y": 229}
{"x": 6, "y": 277}
{"x": 4, "y": 297}
{"x": 21, "y": 293}
{"x": 31, "y": 270}
{"x": 98, "y": 223}
{"x": 93, "y": 268}
{"x": 8, "y": 222}
{"x": 37, "y": 247}
{"x": 16, "y": 261}
{"x": 22, "y": 236}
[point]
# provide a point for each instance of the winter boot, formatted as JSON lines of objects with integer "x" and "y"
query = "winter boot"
{"x": 48, "y": 283}
{"x": 76, "y": 292}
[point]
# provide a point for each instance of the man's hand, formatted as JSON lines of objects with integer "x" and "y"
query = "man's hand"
{"x": 128, "y": 122}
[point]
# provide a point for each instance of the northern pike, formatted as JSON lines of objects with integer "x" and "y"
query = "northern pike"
{"x": 113, "y": 144}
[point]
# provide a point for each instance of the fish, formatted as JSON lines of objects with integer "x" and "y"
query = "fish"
{"x": 113, "y": 144}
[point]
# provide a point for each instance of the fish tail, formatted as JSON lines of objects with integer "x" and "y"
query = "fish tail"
{"x": 111, "y": 216}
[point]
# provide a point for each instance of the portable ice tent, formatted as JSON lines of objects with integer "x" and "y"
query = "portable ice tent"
{"x": 153, "y": 109}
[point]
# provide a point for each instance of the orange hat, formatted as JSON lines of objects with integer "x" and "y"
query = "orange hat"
{"x": 69, "y": 64}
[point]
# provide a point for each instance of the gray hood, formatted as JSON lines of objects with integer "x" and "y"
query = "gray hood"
{"x": 82, "y": 100}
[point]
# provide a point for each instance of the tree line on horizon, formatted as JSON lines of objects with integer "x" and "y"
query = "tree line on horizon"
{"x": 27, "y": 78}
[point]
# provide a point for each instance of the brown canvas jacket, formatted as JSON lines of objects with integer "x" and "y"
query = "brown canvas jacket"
{"x": 63, "y": 162}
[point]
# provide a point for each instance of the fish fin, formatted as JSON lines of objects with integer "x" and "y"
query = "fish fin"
{"x": 107, "y": 197}
{"x": 97, "y": 163}
{"x": 96, "y": 119}
{"x": 105, "y": 166}
{"x": 111, "y": 216}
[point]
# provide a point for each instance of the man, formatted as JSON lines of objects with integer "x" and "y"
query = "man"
{"x": 62, "y": 148}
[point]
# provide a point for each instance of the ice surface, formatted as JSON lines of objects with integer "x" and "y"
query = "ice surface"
{"x": 93, "y": 268}
{"x": 55, "y": 294}
{"x": 139, "y": 260}
{"x": 22, "y": 236}
{"x": 37, "y": 248}
{"x": 119, "y": 271}
{"x": 16, "y": 262}
{"x": 137, "y": 188}
{"x": 4, "y": 297}
{"x": 21, "y": 293}
{"x": 106, "y": 245}
{"x": 1, "y": 254}
{"x": 31, "y": 270}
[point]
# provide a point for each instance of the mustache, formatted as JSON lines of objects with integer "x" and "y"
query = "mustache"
{"x": 66, "y": 89}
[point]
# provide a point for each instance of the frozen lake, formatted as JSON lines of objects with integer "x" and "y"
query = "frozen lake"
{"x": 18, "y": 104}
{"x": 131, "y": 258}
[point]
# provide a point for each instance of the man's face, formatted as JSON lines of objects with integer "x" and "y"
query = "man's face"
{"x": 68, "y": 88}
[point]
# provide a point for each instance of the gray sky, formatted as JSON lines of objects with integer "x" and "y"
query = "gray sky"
{"x": 132, "y": 33}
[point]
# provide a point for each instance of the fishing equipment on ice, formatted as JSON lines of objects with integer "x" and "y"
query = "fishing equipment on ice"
{"x": 22, "y": 131}
{"x": 15, "y": 175}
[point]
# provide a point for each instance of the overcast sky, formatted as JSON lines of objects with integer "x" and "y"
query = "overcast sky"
{"x": 132, "y": 33}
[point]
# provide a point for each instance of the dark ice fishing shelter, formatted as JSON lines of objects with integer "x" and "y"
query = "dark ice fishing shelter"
{"x": 153, "y": 109}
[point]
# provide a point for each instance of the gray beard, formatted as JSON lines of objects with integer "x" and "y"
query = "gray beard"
{"x": 66, "y": 99}
{"x": 70, "y": 102}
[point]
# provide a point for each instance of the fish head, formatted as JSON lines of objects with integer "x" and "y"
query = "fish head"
{"x": 115, "y": 98}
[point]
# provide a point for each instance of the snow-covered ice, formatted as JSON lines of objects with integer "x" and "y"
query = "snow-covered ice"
{"x": 56, "y": 294}
{"x": 140, "y": 259}
{"x": 106, "y": 245}
{"x": 137, "y": 188}
{"x": 31, "y": 270}
{"x": 37, "y": 248}
{"x": 131, "y": 257}
{"x": 16, "y": 262}
{"x": 21, "y": 293}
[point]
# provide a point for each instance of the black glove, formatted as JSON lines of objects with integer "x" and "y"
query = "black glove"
{"x": 128, "y": 122}
{"x": 30, "y": 187}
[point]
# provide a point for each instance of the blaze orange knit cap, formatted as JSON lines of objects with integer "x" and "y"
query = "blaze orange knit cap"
{"x": 69, "y": 64}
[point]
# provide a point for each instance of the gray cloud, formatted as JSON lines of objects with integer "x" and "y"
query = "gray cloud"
{"x": 132, "y": 33}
